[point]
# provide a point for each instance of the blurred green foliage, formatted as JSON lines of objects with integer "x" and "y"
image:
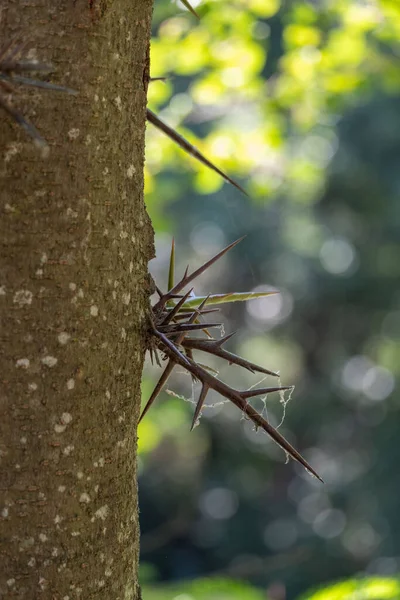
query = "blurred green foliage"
{"x": 300, "y": 100}
{"x": 215, "y": 589}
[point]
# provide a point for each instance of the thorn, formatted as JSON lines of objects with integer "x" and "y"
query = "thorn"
{"x": 224, "y": 339}
{"x": 199, "y": 405}
{"x": 160, "y": 384}
{"x": 188, "y": 278}
{"x": 213, "y": 347}
{"x": 171, "y": 346}
{"x": 171, "y": 273}
{"x": 189, "y": 7}
{"x": 177, "y": 328}
{"x": 261, "y": 391}
{"x": 172, "y": 313}
{"x": 189, "y": 148}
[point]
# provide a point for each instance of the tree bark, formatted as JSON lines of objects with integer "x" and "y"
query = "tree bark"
{"x": 75, "y": 241}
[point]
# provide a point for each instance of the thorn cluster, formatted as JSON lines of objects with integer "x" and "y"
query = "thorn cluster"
{"x": 174, "y": 317}
{"x": 13, "y": 66}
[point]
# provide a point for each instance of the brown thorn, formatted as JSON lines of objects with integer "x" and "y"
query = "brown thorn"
{"x": 224, "y": 390}
{"x": 172, "y": 348}
{"x": 262, "y": 391}
{"x": 175, "y": 328}
{"x": 199, "y": 405}
{"x": 160, "y": 384}
{"x": 189, "y": 148}
{"x": 186, "y": 279}
{"x": 171, "y": 314}
{"x": 213, "y": 347}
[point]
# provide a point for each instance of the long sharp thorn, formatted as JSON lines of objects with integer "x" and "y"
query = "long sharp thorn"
{"x": 172, "y": 313}
{"x": 278, "y": 438}
{"x": 263, "y": 391}
{"x": 221, "y": 388}
{"x": 160, "y": 384}
{"x": 223, "y": 340}
{"x": 189, "y": 148}
{"x": 185, "y": 315}
{"x": 28, "y": 127}
{"x": 186, "y": 327}
{"x": 190, "y": 7}
{"x": 188, "y": 278}
{"x": 37, "y": 83}
{"x": 171, "y": 347}
{"x": 171, "y": 272}
{"x": 213, "y": 347}
{"x": 199, "y": 405}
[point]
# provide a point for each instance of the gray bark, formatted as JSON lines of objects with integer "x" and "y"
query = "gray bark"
{"x": 75, "y": 241}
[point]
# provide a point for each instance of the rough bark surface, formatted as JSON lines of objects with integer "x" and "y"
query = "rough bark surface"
{"x": 75, "y": 241}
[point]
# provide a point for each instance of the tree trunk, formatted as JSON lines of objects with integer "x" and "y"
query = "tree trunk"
{"x": 73, "y": 303}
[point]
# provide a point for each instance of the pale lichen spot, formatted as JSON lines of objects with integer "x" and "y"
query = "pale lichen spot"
{"x": 57, "y": 519}
{"x": 49, "y": 361}
{"x": 101, "y": 583}
{"x": 67, "y": 450}
{"x": 130, "y": 267}
{"x": 108, "y": 394}
{"x": 61, "y": 488}
{"x": 126, "y": 298}
{"x": 75, "y": 533}
{"x": 43, "y": 537}
{"x": 39, "y": 273}
{"x": 32, "y": 562}
{"x": 72, "y": 286}
{"x": 73, "y": 133}
{"x": 23, "y": 297}
{"x": 23, "y": 363}
{"x": 71, "y": 384}
{"x": 4, "y": 512}
{"x": 32, "y": 386}
{"x": 54, "y": 552}
{"x": 79, "y": 474}
{"x": 63, "y": 338}
{"x": 118, "y": 102}
{"x": 71, "y": 213}
{"x": 84, "y": 498}
{"x": 44, "y": 258}
{"x": 94, "y": 311}
{"x": 133, "y": 239}
{"x": 2, "y": 290}
{"x": 13, "y": 149}
{"x": 66, "y": 418}
{"x": 10, "y": 582}
{"x": 123, "y": 333}
{"x": 59, "y": 428}
{"x": 96, "y": 98}
{"x": 108, "y": 572}
{"x": 131, "y": 171}
{"x": 96, "y": 489}
{"x": 9, "y": 208}
{"x": 123, "y": 235}
{"x": 114, "y": 295}
{"x": 106, "y": 171}
{"x": 102, "y": 512}
{"x": 43, "y": 583}
{"x": 23, "y": 440}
